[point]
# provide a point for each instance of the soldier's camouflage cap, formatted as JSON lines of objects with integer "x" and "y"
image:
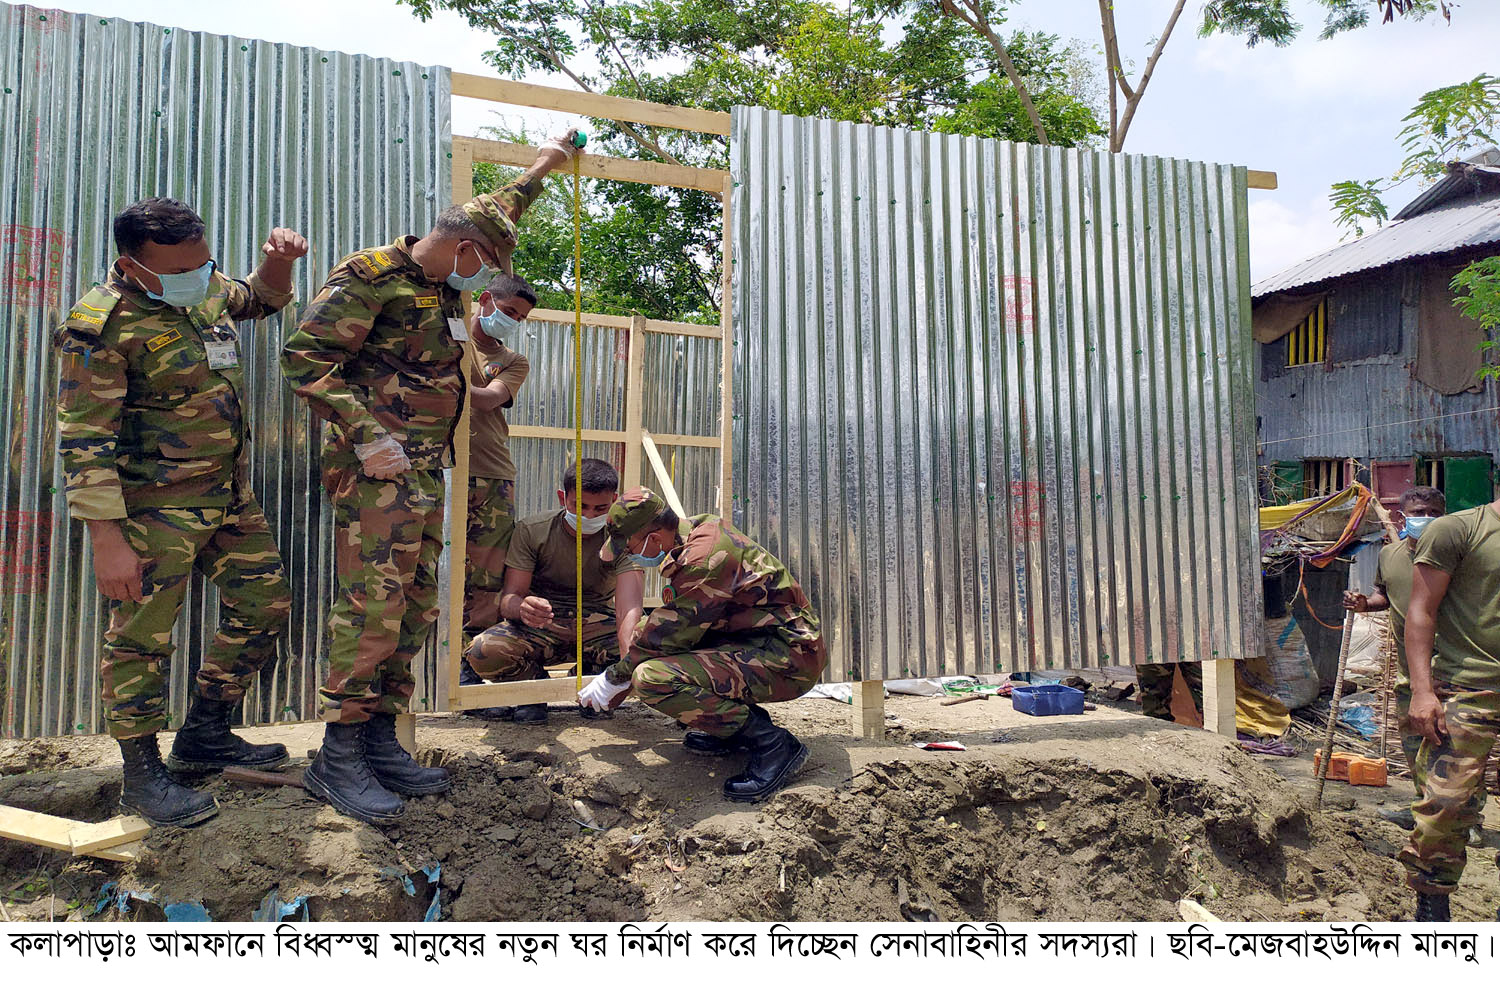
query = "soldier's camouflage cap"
{"x": 630, "y": 515}
{"x": 495, "y": 224}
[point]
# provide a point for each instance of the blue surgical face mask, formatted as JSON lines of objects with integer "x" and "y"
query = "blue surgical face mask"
{"x": 648, "y": 562}
{"x": 1415, "y": 526}
{"x": 183, "y": 289}
{"x": 468, "y": 284}
{"x": 498, "y": 324}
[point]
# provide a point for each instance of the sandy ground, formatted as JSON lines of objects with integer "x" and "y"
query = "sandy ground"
{"x": 1105, "y": 816}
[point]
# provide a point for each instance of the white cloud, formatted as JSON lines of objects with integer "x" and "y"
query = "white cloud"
{"x": 1283, "y": 234}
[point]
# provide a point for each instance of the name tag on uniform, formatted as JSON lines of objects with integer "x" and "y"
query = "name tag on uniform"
{"x": 162, "y": 340}
{"x": 222, "y": 354}
{"x": 427, "y": 302}
{"x": 457, "y": 329}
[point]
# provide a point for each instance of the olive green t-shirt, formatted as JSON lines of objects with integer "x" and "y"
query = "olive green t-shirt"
{"x": 1393, "y": 573}
{"x": 1466, "y": 545}
{"x": 486, "y": 361}
{"x": 546, "y": 547}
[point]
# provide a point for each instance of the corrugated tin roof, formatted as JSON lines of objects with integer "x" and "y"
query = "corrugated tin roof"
{"x": 1465, "y": 224}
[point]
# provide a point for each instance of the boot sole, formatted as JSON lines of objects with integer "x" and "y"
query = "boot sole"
{"x": 726, "y": 752}
{"x": 313, "y": 784}
{"x": 187, "y": 820}
{"x": 176, "y": 764}
{"x": 402, "y": 790}
{"x": 792, "y": 768}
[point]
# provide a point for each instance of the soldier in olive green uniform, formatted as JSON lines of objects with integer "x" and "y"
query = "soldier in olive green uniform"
{"x": 377, "y": 355}
{"x": 1453, "y": 661}
{"x": 735, "y": 630}
{"x": 154, "y": 448}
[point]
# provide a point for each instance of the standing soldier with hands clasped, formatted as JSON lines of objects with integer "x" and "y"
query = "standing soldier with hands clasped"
{"x": 154, "y": 449}
{"x": 378, "y": 356}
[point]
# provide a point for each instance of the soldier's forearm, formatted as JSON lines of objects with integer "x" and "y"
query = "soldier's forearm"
{"x": 276, "y": 272}
{"x": 1419, "y": 640}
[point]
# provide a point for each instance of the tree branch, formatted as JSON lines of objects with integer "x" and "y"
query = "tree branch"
{"x": 981, "y": 24}
{"x": 1117, "y": 141}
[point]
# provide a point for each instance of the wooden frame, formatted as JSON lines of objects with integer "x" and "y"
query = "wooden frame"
{"x": 112, "y": 840}
{"x": 634, "y": 437}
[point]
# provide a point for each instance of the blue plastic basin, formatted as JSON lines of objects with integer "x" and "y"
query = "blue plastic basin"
{"x": 1047, "y": 700}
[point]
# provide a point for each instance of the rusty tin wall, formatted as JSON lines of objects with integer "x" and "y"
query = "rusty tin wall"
{"x": 96, "y": 113}
{"x": 995, "y": 401}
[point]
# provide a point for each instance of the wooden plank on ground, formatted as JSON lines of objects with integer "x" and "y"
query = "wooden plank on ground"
{"x": 561, "y": 690}
{"x": 598, "y": 105}
{"x": 87, "y": 838}
{"x": 625, "y": 170}
{"x": 111, "y": 840}
{"x": 1218, "y": 696}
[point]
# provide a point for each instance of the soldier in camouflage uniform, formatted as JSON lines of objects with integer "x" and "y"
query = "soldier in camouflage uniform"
{"x": 154, "y": 449}
{"x": 541, "y": 600}
{"x": 735, "y": 630}
{"x": 377, "y": 355}
{"x": 1453, "y": 661}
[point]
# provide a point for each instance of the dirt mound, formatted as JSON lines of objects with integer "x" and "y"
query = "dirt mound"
{"x": 1103, "y": 819}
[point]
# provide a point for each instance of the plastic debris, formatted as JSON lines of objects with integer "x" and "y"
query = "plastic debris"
{"x": 187, "y": 912}
{"x": 940, "y": 746}
{"x": 274, "y": 910}
{"x": 110, "y": 892}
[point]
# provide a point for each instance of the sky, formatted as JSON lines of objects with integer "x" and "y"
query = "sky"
{"x": 1314, "y": 113}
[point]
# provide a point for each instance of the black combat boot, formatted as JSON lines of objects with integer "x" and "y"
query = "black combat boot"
{"x": 467, "y": 676}
{"x": 698, "y": 742}
{"x": 394, "y": 767}
{"x": 775, "y": 756}
{"x": 150, "y": 792}
{"x": 204, "y": 743}
{"x": 1432, "y": 908}
{"x": 530, "y": 713}
{"x": 341, "y": 774}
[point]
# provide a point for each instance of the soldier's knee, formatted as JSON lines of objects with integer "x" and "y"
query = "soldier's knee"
{"x": 655, "y": 678}
{"x": 495, "y": 656}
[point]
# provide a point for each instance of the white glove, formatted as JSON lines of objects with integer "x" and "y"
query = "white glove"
{"x": 602, "y": 694}
{"x": 383, "y": 459}
{"x": 564, "y": 143}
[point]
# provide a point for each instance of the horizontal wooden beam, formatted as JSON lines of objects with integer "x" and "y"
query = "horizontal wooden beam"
{"x": 559, "y": 690}
{"x": 611, "y": 437}
{"x": 689, "y": 440}
{"x": 616, "y": 322}
{"x": 627, "y": 170}
{"x": 614, "y": 108}
{"x": 111, "y": 840}
{"x": 1258, "y": 179}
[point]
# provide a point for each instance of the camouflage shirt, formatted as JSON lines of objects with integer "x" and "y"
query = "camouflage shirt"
{"x": 374, "y": 356}
{"x": 148, "y": 402}
{"x": 720, "y": 584}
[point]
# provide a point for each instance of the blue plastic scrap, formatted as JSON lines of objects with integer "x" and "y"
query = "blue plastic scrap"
{"x": 110, "y": 892}
{"x": 273, "y": 910}
{"x": 187, "y": 912}
{"x": 1361, "y": 720}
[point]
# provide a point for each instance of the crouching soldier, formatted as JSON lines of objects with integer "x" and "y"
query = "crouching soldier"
{"x": 735, "y": 630}
{"x": 155, "y": 451}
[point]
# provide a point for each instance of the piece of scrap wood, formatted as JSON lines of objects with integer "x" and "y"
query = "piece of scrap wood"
{"x": 1193, "y": 912}
{"x": 89, "y": 837}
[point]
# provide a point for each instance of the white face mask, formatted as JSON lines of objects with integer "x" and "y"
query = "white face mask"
{"x": 589, "y": 525}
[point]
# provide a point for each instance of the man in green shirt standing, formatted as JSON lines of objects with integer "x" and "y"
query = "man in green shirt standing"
{"x": 1393, "y": 575}
{"x": 1453, "y": 656}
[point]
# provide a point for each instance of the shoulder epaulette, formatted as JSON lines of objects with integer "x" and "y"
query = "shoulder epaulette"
{"x": 89, "y": 314}
{"x": 374, "y": 262}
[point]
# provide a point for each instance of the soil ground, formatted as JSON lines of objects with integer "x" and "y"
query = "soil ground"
{"x": 1104, "y": 816}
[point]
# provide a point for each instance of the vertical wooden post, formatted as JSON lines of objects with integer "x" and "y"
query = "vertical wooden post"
{"x": 406, "y": 732}
{"x": 726, "y": 391}
{"x": 635, "y": 365}
{"x": 1218, "y": 696}
{"x": 458, "y": 493}
{"x": 869, "y": 709}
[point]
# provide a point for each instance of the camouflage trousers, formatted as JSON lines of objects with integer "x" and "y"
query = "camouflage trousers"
{"x": 492, "y": 519}
{"x": 1411, "y": 744}
{"x": 388, "y": 535}
{"x": 1451, "y": 775}
{"x": 232, "y": 546}
{"x": 1155, "y": 683}
{"x": 711, "y": 689}
{"x": 511, "y": 651}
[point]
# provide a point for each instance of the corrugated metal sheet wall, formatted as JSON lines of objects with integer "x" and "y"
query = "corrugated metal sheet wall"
{"x": 352, "y": 151}
{"x": 995, "y": 401}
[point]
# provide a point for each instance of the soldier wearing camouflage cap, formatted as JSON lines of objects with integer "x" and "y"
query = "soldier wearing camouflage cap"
{"x": 155, "y": 453}
{"x": 734, "y": 630}
{"x": 378, "y": 356}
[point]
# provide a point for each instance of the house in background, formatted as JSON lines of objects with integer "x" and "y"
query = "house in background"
{"x": 1367, "y": 371}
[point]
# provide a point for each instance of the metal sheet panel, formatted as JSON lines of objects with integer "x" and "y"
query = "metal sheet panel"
{"x": 995, "y": 400}
{"x": 96, "y": 113}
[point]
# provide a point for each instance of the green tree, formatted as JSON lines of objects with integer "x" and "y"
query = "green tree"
{"x": 1478, "y": 286}
{"x": 656, "y": 250}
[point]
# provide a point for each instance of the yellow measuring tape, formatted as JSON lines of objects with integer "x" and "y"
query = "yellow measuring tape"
{"x": 578, "y": 400}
